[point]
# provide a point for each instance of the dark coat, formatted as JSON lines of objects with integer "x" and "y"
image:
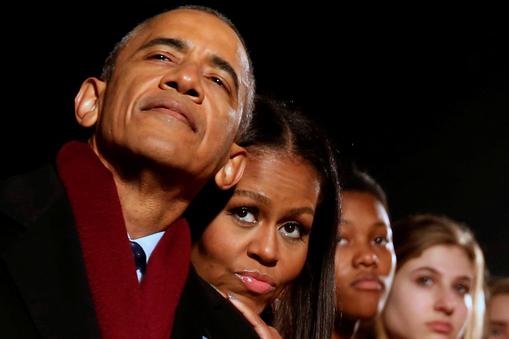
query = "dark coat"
{"x": 43, "y": 284}
{"x": 203, "y": 313}
{"x": 44, "y": 291}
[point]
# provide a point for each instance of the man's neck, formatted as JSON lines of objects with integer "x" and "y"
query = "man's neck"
{"x": 148, "y": 207}
{"x": 152, "y": 198}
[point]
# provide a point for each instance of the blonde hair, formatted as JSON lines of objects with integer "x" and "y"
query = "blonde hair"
{"x": 417, "y": 233}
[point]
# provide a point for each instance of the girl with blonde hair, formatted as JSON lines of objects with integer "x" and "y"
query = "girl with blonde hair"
{"x": 438, "y": 287}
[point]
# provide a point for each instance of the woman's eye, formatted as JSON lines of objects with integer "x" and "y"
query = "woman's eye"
{"x": 462, "y": 289}
{"x": 244, "y": 214}
{"x": 495, "y": 331}
{"x": 381, "y": 240}
{"x": 424, "y": 281}
{"x": 291, "y": 230}
{"x": 341, "y": 240}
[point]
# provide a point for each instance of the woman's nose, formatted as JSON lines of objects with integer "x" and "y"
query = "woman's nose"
{"x": 264, "y": 247}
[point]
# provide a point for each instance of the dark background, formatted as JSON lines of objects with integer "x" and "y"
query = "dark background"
{"x": 417, "y": 96}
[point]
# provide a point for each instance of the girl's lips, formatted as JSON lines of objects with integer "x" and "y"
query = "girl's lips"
{"x": 368, "y": 284}
{"x": 256, "y": 283}
{"x": 442, "y": 327}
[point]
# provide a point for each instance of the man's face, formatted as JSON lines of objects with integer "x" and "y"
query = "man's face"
{"x": 176, "y": 93}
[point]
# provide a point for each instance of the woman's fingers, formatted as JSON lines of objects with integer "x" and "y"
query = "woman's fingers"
{"x": 262, "y": 329}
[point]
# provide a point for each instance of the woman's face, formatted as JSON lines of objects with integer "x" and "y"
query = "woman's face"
{"x": 498, "y": 316}
{"x": 365, "y": 259}
{"x": 430, "y": 297}
{"x": 258, "y": 243}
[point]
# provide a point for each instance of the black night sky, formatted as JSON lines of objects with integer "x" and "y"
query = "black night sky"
{"x": 417, "y": 96}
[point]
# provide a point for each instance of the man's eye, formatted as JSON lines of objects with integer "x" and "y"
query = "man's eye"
{"x": 160, "y": 57}
{"x": 218, "y": 81}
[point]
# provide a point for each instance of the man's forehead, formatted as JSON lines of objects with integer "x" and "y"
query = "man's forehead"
{"x": 193, "y": 22}
{"x": 194, "y": 27}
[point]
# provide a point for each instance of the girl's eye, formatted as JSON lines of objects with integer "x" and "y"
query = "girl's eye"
{"x": 291, "y": 230}
{"x": 380, "y": 240}
{"x": 244, "y": 214}
{"x": 462, "y": 289}
{"x": 341, "y": 240}
{"x": 495, "y": 331}
{"x": 424, "y": 281}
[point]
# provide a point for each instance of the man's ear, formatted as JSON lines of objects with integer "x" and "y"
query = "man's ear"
{"x": 86, "y": 103}
{"x": 230, "y": 174}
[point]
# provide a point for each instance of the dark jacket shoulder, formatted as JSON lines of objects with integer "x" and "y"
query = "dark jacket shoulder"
{"x": 43, "y": 284}
{"x": 25, "y": 197}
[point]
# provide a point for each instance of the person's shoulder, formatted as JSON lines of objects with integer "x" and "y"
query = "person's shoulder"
{"x": 25, "y": 196}
{"x": 205, "y": 312}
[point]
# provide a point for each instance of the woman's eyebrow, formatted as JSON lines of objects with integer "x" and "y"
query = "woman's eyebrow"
{"x": 253, "y": 195}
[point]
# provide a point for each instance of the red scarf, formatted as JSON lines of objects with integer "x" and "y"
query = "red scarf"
{"x": 124, "y": 308}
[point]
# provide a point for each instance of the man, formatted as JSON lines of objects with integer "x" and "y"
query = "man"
{"x": 165, "y": 115}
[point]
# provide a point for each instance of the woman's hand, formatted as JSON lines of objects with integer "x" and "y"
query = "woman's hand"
{"x": 262, "y": 329}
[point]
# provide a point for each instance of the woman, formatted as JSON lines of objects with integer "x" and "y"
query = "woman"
{"x": 498, "y": 309}
{"x": 438, "y": 287}
{"x": 365, "y": 259}
{"x": 271, "y": 246}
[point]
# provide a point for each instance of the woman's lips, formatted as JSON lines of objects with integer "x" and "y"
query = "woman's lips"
{"x": 255, "y": 282}
{"x": 442, "y": 327}
{"x": 368, "y": 284}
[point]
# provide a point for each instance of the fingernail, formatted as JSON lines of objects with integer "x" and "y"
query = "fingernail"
{"x": 231, "y": 297}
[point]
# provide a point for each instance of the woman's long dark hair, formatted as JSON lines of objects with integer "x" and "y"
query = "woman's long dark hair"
{"x": 306, "y": 309}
